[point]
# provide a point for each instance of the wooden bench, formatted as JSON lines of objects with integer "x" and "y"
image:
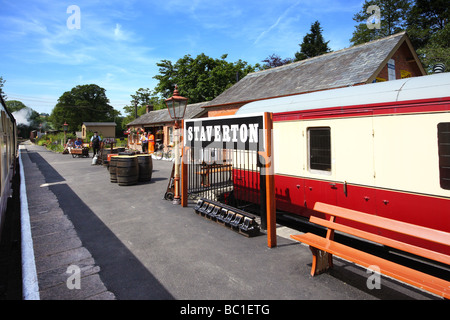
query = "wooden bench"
{"x": 323, "y": 248}
{"x": 80, "y": 152}
{"x": 206, "y": 170}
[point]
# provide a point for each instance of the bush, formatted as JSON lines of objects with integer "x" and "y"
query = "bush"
{"x": 54, "y": 141}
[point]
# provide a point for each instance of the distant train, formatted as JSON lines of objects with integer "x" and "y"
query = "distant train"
{"x": 381, "y": 148}
{"x": 8, "y": 157}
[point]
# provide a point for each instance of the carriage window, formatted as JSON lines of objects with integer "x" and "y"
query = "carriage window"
{"x": 319, "y": 149}
{"x": 444, "y": 154}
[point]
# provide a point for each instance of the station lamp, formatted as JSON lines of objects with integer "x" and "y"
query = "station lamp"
{"x": 176, "y": 105}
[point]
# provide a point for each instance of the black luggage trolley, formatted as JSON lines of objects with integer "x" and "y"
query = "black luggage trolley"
{"x": 170, "y": 187}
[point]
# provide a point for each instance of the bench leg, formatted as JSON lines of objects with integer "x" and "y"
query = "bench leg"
{"x": 322, "y": 261}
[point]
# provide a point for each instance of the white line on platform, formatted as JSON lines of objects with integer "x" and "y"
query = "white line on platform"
{"x": 30, "y": 285}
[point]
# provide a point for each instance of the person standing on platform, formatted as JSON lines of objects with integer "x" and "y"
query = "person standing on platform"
{"x": 144, "y": 142}
{"x": 95, "y": 143}
{"x": 151, "y": 143}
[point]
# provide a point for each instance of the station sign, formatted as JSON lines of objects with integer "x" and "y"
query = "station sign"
{"x": 228, "y": 132}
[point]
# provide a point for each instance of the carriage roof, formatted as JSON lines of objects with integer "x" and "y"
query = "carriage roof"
{"x": 424, "y": 87}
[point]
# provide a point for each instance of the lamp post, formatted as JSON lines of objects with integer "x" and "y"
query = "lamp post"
{"x": 177, "y": 107}
{"x": 65, "y": 126}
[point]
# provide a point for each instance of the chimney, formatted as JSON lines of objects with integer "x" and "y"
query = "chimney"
{"x": 149, "y": 108}
{"x": 439, "y": 68}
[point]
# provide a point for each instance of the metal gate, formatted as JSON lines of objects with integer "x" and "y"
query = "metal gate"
{"x": 229, "y": 176}
{"x": 227, "y": 165}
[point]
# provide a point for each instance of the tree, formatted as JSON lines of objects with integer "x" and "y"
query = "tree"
{"x": 201, "y": 78}
{"x": 27, "y": 119}
{"x": 2, "y": 82}
{"x": 427, "y": 17}
{"x": 84, "y": 103}
{"x": 393, "y": 19}
{"x": 274, "y": 61}
{"x": 437, "y": 50}
{"x": 313, "y": 44}
{"x": 139, "y": 102}
{"x": 429, "y": 31}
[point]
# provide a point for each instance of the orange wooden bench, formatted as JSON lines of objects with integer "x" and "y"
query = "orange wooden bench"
{"x": 205, "y": 171}
{"x": 323, "y": 249}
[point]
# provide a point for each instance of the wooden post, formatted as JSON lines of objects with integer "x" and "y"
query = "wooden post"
{"x": 269, "y": 182}
{"x": 184, "y": 171}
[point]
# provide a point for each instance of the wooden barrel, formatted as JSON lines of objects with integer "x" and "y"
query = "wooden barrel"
{"x": 105, "y": 156}
{"x": 145, "y": 167}
{"x": 127, "y": 170}
{"x": 127, "y": 153}
{"x": 111, "y": 155}
{"x": 113, "y": 169}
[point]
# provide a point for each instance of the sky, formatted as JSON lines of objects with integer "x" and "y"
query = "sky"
{"x": 49, "y": 47}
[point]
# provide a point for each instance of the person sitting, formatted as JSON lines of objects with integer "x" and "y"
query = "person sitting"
{"x": 69, "y": 145}
{"x": 78, "y": 143}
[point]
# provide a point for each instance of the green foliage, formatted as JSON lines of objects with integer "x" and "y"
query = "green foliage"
{"x": 201, "y": 78}
{"x": 313, "y": 44}
{"x": 393, "y": 16}
{"x": 84, "y": 103}
{"x": 437, "y": 50}
{"x": 2, "y": 93}
{"x": 140, "y": 100}
{"x": 27, "y": 119}
{"x": 426, "y": 22}
{"x": 429, "y": 31}
{"x": 54, "y": 141}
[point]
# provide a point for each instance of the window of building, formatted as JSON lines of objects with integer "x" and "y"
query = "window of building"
{"x": 171, "y": 135}
{"x": 444, "y": 154}
{"x": 319, "y": 149}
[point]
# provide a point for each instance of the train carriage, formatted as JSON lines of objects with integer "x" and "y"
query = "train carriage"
{"x": 8, "y": 157}
{"x": 380, "y": 148}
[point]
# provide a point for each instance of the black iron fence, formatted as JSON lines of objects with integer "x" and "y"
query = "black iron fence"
{"x": 228, "y": 176}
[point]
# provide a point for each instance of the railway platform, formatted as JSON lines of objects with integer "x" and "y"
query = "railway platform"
{"x": 130, "y": 244}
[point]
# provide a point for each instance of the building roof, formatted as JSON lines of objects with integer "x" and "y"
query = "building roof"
{"x": 359, "y": 64}
{"x": 194, "y": 110}
{"x": 99, "y": 124}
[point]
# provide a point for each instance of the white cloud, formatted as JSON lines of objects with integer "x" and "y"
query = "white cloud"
{"x": 120, "y": 34}
{"x": 120, "y": 42}
{"x": 280, "y": 18}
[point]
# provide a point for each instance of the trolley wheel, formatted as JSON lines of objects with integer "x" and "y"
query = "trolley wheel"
{"x": 168, "y": 196}
{"x": 73, "y": 155}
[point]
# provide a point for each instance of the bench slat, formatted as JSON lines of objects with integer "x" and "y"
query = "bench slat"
{"x": 429, "y": 254}
{"x": 391, "y": 269}
{"x": 432, "y": 235}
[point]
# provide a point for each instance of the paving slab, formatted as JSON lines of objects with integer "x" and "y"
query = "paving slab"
{"x": 56, "y": 243}
{"x": 133, "y": 244}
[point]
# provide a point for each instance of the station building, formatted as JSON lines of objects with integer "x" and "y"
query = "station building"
{"x": 159, "y": 123}
{"x": 380, "y": 60}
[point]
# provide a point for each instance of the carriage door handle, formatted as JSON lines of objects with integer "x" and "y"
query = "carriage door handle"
{"x": 333, "y": 185}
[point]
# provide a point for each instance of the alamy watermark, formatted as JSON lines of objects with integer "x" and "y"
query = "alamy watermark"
{"x": 74, "y": 280}
{"x": 374, "y": 279}
{"x": 374, "y": 21}
{"x": 74, "y": 20}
